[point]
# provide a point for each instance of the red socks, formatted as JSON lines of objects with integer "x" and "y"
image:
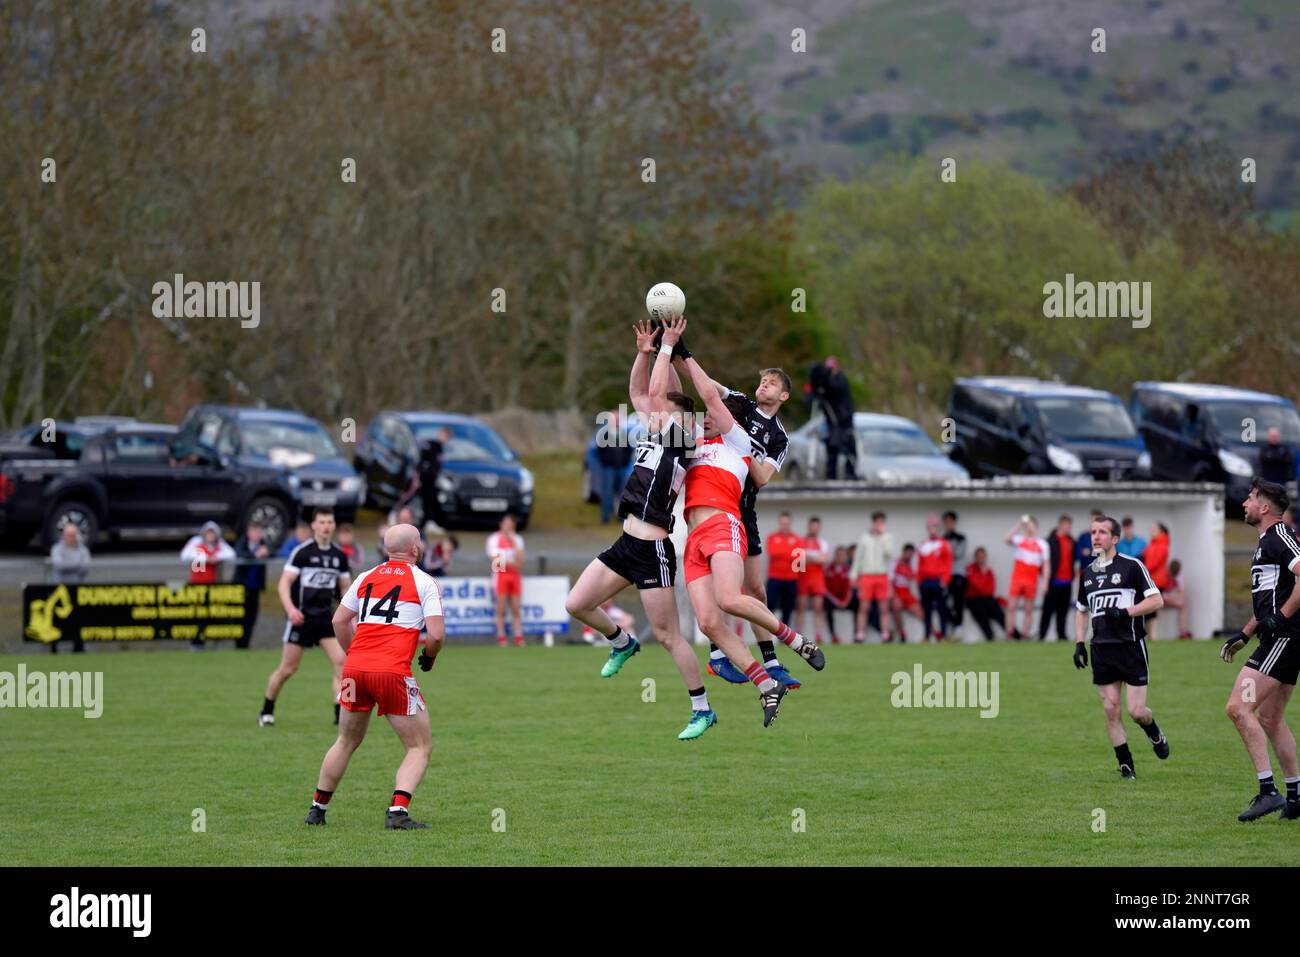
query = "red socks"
{"x": 757, "y": 674}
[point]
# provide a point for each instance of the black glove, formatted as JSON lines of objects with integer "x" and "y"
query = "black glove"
{"x": 1080, "y": 655}
{"x": 1118, "y": 614}
{"x": 1269, "y": 626}
{"x": 1233, "y": 645}
{"x": 424, "y": 661}
{"x": 680, "y": 351}
{"x": 659, "y": 336}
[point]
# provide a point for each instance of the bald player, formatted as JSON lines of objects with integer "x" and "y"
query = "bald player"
{"x": 378, "y": 624}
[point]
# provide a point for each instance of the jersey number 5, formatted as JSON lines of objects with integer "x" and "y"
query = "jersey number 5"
{"x": 380, "y": 611}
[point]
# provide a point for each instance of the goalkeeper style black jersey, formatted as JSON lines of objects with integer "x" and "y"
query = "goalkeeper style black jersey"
{"x": 1272, "y": 574}
{"x": 658, "y": 471}
{"x": 1120, "y": 583}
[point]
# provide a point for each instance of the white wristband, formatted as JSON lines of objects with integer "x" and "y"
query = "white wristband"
{"x": 665, "y": 347}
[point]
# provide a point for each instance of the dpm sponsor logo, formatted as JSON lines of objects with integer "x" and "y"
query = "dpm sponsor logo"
{"x": 76, "y": 910}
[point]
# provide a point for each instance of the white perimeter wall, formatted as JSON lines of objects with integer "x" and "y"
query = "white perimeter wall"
{"x": 986, "y": 510}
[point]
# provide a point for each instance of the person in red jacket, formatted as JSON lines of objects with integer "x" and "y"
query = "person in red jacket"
{"x": 934, "y": 570}
{"x": 1156, "y": 558}
{"x": 839, "y": 588}
{"x": 981, "y": 594}
{"x": 785, "y": 560}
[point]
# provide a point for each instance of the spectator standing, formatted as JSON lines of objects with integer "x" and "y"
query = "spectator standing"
{"x": 1031, "y": 562}
{"x": 957, "y": 586}
{"x": 1277, "y": 461}
{"x": 301, "y": 532}
{"x": 505, "y": 550}
{"x": 613, "y": 456}
{"x": 251, "y": 554}
{"x": 1156, "y": 558}
{"x": 346, "y": 539}
{"x": 424, "y": 478}
{"x": 1130, "y": 545}
{"x": 870, "y": 573}
{"x": 828, "y": 389}
{"x": 1060, "y": 559}
{"x": 981, "y": 594}
{"x": 1176, "y": 597}
{"x": 69, "y": 565}
{"x": 812, "y": 580}
{"x": 839, "y": 588}
{"x": 934, "y": 570}
{"x": 782, "y": 574}
{"x": 902, "y": 576}
{"x": 1083, "y": 546}
{"x": 204, "y": 553}
{"x": 439, "y": 547}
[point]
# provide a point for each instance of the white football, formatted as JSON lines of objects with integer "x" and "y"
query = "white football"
{"x": 665, "y": 300}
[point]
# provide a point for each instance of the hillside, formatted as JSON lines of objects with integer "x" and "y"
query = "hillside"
{"x": 1016, "y": 81}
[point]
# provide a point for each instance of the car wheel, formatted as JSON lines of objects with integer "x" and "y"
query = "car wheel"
{"x": 76, "y": 513}
{"x": 794, "y": 473}
{"x": 274, "y": 517}
{"x": 521, "y": 523}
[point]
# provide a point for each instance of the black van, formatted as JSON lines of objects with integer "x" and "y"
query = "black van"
{"x": 1210, "y": 433}
{"x": 1023, "y": 426}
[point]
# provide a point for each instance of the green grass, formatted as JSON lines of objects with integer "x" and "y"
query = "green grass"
{"x": 588, "y": 773}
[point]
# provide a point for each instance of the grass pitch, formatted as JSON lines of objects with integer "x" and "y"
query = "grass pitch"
{"x": 582, "y": 771}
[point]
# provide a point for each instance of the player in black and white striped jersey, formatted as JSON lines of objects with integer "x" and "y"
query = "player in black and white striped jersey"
{"x": 1257, "y": 705}
{"x": 1116, "y": 592}
{"x": 644, "y": 555}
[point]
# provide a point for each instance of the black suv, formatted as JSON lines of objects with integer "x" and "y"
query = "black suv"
{"x": 279, "y": 438}
{"x": 482, "y": 477}
{"x": 1023, "y": 426}
{"x": 132, "y": 480}
{"x": 1199, "y": 432}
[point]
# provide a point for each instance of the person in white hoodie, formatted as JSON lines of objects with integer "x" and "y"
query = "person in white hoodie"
{"x": 870, "y": 573}
{"x": 204, "y": 553}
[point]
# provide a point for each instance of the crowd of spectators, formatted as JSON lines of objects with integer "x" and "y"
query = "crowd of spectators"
{"x": 936, "y": 580}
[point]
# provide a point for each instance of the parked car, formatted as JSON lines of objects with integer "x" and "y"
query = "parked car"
{"x": 1023, "y": 426}
{"x": 134, "y": 481}
{"x": 1199, "y": 432}
{"x": 482, "y": 477}
{"x": 890, "y": 449}
{"x": 278, "y": 438}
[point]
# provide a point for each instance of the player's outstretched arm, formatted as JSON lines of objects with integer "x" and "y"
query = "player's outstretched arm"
{"x": 761, "y": 471}
{"x": 709, "y": 392}
{"x": 661, "y": 374}
{"x": 639, "y": 385}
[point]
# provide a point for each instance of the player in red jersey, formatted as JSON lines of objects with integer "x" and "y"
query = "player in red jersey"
{"x": 812, "y": 580}
{"x": 714, "y": 560}
{"x": 1031, "y": 564}
{"x": 506, "y": 549}
{"x": 391, "y": 605}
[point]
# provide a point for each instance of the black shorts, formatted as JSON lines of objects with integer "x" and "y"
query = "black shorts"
{"x": 1124, "y": 661}
{"x": 309, "y": 633}
{"x": 750, "y": 521}
{"x": 645, "y": 564}
{"x": 1278, "y": 657}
